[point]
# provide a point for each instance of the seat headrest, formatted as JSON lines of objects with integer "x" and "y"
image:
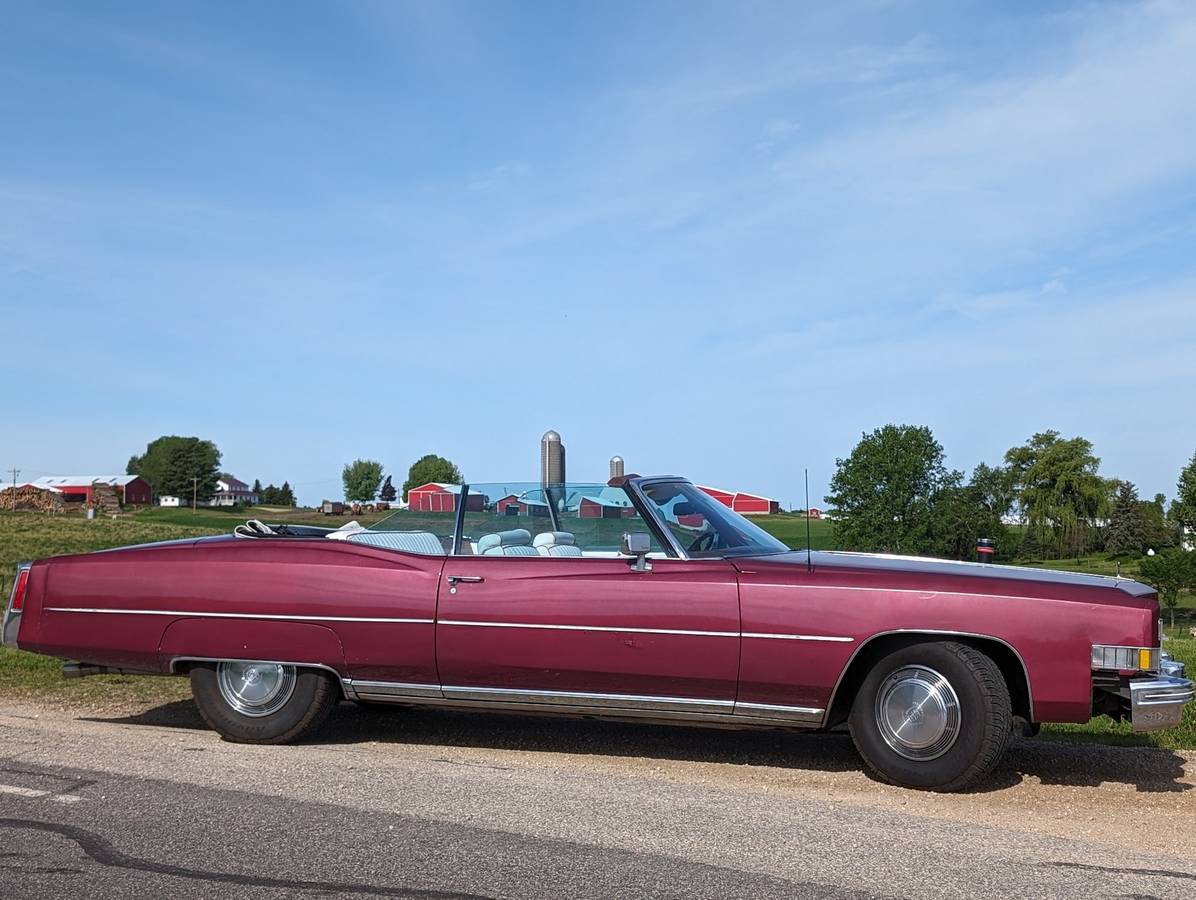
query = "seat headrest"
{"x": 553, "y": 538}
{"x": 516, "y": 537}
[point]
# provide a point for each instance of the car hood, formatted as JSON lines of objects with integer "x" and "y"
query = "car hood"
{"x": 920, "y": 565}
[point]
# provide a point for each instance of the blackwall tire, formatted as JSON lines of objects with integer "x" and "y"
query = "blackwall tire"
{"x": 262, "y": 703}
{"x": 934, "y": 716}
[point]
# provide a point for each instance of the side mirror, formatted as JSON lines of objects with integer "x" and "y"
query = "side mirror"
{"x": 637, "y": 544}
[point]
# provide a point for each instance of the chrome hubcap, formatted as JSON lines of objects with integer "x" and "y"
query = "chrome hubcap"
{"x": 917, "y": 712}
{"x": 255, "y": 688}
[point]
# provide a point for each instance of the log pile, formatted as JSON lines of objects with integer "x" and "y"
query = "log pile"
{"x": 105, "y": 498}
{"x": 26, "y": 496}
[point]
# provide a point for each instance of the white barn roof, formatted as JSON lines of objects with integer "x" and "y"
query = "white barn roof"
{"x": 76, "y": 480}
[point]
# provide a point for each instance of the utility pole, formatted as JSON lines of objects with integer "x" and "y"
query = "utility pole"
{"x": 15, "y": 473}
{"x": 194, "y": 488}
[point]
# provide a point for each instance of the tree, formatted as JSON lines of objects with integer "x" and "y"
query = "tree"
{"x": 388, "y": 492}
{"x": 257, "y": 487}
{"x": 1159, "y": 531}
{"x": 961, "y": 514}
{"x": 1128, "y": 530}
{"x": 173, "y": 464}
{"x": 1059, "y": 491}
{"x": 1169, "y": 573}
{"x": 286, "y": 496}
{"x": 995, "y": 488}
{"x": 431, "y": 468}
{"x": 882, "y": 495}
{"x": 1183, "y": 510}
{"x": 361, "y": 478}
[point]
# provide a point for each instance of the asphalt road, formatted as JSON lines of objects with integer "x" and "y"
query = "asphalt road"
{"x": 447, "y": 805}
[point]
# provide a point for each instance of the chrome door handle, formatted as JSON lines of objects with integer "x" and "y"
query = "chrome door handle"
{"x": 471, "y": 579}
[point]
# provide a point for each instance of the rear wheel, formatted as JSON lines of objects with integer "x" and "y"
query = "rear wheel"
{"x": 933, "y": 716}
{"x": 261, "y": 702}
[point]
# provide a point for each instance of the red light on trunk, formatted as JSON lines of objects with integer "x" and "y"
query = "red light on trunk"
{"x": 18, "y": 591}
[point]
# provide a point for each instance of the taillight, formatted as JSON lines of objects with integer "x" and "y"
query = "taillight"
{"x": 18, "y": 592}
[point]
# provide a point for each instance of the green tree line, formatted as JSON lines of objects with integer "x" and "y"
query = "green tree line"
{"x": 895, "y": 494}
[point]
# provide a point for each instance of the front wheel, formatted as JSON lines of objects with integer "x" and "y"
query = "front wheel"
{"x": 933, "y": 716}
{"x": 261, "y": 702}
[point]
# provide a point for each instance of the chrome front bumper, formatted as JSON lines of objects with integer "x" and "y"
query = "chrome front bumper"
{"x": 1158, "y": 702}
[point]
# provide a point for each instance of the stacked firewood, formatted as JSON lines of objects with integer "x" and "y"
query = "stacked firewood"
{"x": 105, "y": 498}
{"x": 29, "y": 497}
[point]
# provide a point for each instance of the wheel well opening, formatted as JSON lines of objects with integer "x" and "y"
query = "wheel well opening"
{"x": 184, "y": 667}
{"x": 1001, "y": 654}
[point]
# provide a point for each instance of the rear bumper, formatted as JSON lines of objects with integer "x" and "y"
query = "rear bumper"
{"x": 1158, "y": 702}
{"x": 9, "y": 628}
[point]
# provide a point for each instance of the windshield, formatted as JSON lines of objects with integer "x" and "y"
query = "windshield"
{"x": 590, "y": 518}
{"x": 525, "y": 518}
{"x": 703, "y": 526}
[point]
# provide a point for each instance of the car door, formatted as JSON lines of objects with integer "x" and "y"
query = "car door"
{"x": 589, "y": 632}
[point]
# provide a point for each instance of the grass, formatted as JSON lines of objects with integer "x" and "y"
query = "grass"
{"x": 791, "y": 531}
{"x": 31, "y": 536}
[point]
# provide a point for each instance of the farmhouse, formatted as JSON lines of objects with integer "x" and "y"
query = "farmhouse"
{"x": 741, "y": 502}
{"x": 231, "y": 491}
{"x": 130, "y": 489}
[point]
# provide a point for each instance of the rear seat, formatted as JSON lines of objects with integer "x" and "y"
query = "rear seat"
{"x": 408, "y": 541}
{"x": 556, "y": 543}
{"x": 517, "y": 542}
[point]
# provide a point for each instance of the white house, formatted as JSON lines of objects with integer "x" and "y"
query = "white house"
{"x": 231, "y": 491}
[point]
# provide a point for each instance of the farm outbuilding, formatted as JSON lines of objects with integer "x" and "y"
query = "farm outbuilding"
{"x": 742, "y": 502}
{"x": 131, "y": 489}
{"x": 438, "y": 497}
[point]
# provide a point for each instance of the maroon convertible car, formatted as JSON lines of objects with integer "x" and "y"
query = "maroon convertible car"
{"x": 640, "y": 598}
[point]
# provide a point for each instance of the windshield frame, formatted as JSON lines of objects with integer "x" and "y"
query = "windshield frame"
{"x": 651, "y": 513}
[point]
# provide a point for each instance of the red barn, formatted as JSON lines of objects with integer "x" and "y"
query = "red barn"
{"x": 746, "y": 504}
{"x": 132, "y": 489}
{"x": 437, "y": 497}
{"x": 601, "y": 508}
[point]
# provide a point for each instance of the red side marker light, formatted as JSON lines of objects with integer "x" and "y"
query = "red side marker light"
{"x": 18, "y": 591}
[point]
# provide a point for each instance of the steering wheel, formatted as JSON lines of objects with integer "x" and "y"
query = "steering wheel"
{"x": 704, "y": 542}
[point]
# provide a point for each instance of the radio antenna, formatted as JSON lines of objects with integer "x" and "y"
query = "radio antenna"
{"x": 809, "y": 555}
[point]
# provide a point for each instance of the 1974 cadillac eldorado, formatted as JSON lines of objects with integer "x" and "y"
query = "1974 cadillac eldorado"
{"x": 640, "y": 598}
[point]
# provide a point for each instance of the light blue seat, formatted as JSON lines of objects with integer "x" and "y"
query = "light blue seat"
{"x": 556, "y": 543}
{"x": 408, "y": 541}
{"x": 516, "y": 542}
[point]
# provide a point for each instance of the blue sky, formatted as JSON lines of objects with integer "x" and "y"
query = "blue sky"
{"x": 720, "y": 240}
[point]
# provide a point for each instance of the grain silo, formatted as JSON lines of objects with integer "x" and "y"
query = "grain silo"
{"x": 552, "y": 459}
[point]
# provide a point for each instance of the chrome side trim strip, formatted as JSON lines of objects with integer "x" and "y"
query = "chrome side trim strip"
{"x": 797, "y": 637}
{"x": 197, "y": 614}
{"x": 807, "y": 714}
{"x": 669, "y": 709}
{"x": 389, "y": 690}
{"x": 616, "y": 628}
{"x": 587, "y": 699}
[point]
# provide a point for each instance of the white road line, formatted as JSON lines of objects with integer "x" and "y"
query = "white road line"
{"x": 34, "y": 794}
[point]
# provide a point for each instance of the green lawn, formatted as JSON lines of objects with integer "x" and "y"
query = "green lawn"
{"x": 791, "y": 531}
